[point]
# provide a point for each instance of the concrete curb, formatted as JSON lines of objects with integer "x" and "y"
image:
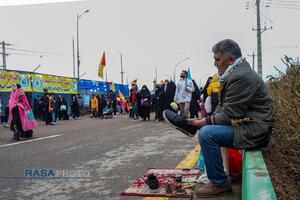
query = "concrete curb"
{"x": 256, "y": 183}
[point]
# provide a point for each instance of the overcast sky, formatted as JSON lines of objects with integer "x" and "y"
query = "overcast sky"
{"x": 149, "y": 33}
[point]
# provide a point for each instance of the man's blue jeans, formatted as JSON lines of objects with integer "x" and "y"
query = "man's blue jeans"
{"x": 211, "y": 139}
{"x": 135, "y": 110}
{"x": 53, "y": 116}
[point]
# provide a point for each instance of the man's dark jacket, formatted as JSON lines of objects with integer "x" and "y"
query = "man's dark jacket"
{"x": 245, "y": 96}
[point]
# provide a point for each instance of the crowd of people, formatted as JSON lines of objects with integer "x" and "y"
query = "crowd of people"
{"x": 188, "y": 98}
{"x": 50, "y": 107}
{"x": 104, "y": 106}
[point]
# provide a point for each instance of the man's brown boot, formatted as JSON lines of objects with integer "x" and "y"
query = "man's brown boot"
{"x": 211, "y": 190}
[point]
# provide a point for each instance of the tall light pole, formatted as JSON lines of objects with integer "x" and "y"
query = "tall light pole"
{"x": 178, "y": 65}
{"x": 259, "y": 31}
{"x": 155, "y": 73}
{"x": 122, "y": 72}
{"x": 259, "y": 57}
{"x": 78, "y": 60}
{"x": 73, "y": 49}
{"x": 82, "y": 75}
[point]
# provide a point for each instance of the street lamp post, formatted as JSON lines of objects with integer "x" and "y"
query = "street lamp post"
{"x": 78, "y": 60}
{"x": 122, "y": 72}
{"x": 82, "y": 75}
{"x": 36, "y": 68}
{"x": 38, "y": 65}
{"x": 178, "y": 65}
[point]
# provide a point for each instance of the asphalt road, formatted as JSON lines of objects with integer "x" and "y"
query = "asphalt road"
{"x": 112, "y": 153}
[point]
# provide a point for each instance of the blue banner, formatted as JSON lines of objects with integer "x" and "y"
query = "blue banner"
{"x": 101, "y": 87}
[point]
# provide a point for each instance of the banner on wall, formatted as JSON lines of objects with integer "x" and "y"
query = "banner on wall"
{"x": 7, "y": 78}
{"x": 102, "y": 87}
{"x": 54, "y": 84}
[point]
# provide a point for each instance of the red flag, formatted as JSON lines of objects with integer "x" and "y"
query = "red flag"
{"x": 134, "y": 82}
{"x": 103, "y": 60}
{"x": 101, "y": 66}
{"x": 112, "y": 86}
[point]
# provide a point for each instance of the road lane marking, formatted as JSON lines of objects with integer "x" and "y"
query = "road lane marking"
{"x": 190, "y": 160}
{"x": 187, "y": 163}
{"x": 81, "y": 120}
{"x": 132, "y": 126}
{"x": 22, "y": 142}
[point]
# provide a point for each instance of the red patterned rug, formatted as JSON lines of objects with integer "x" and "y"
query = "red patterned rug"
{"x": 189, "y": 177}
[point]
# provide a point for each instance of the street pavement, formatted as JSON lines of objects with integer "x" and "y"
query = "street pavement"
{"x": 112, "y": 153}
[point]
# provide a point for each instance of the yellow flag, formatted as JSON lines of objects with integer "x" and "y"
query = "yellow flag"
{"x": 102, "y": 64}
{"x": 123, "y": 99}
{"x": 121, "y": 96}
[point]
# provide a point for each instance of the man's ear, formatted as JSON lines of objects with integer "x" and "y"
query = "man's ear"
{"x": 231, "y": 60}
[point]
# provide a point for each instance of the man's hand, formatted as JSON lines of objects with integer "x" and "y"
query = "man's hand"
{"x": 197, "y": 122}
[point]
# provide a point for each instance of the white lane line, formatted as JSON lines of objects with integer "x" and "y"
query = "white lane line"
{"x": 42, "y": 138}
{"x": 82, "y": 120}
{"x": 132, "y": 126}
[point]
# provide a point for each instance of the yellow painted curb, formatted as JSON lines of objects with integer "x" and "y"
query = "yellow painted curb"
{"x": 190, "y": 160}
{"x": 187, "y": 163}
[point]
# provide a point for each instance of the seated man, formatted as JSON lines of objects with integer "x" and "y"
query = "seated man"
{"x": 242, "y": 118}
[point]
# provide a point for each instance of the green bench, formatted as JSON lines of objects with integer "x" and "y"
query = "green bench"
{"x": 256, "y": 184}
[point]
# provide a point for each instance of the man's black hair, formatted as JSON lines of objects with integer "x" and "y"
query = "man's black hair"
{"x": 228, "y": 47}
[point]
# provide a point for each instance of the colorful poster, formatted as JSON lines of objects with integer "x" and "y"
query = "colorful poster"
{"x": 54, "y": 84}
{"x": 7, "y": 78}
{"x": 86, "y": 99}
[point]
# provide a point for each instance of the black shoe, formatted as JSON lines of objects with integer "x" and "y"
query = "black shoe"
{"x": 179, "y": 123}
{"x": 152, "y": 182}
{"x": 16, "y": 134}
{"x": 16, "y": 138}
{"x": 29, "y": 135}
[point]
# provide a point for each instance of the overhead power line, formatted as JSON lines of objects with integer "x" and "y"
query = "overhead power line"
{"x": 282, "y": 4}
{"x": 284, "y": 1}
{"x": 21, "y": 54}
{"x": 4, "y": 54}
{"x": 286, "y": 7}
{"x": 31, "y": 51}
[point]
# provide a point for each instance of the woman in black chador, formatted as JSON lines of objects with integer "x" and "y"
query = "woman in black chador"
{"x": 36, "y": 108}
{"x": 101, "y": 105}
{"x": 194, "y": 106}
{"x": 75, "y": 107}
{"x": 63, "y": 109}
{"x": 144, "y": 104}
{"x": 204, "y": 91}
{"x": 169, "y": 93}
{"x": 158, "y": 102}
